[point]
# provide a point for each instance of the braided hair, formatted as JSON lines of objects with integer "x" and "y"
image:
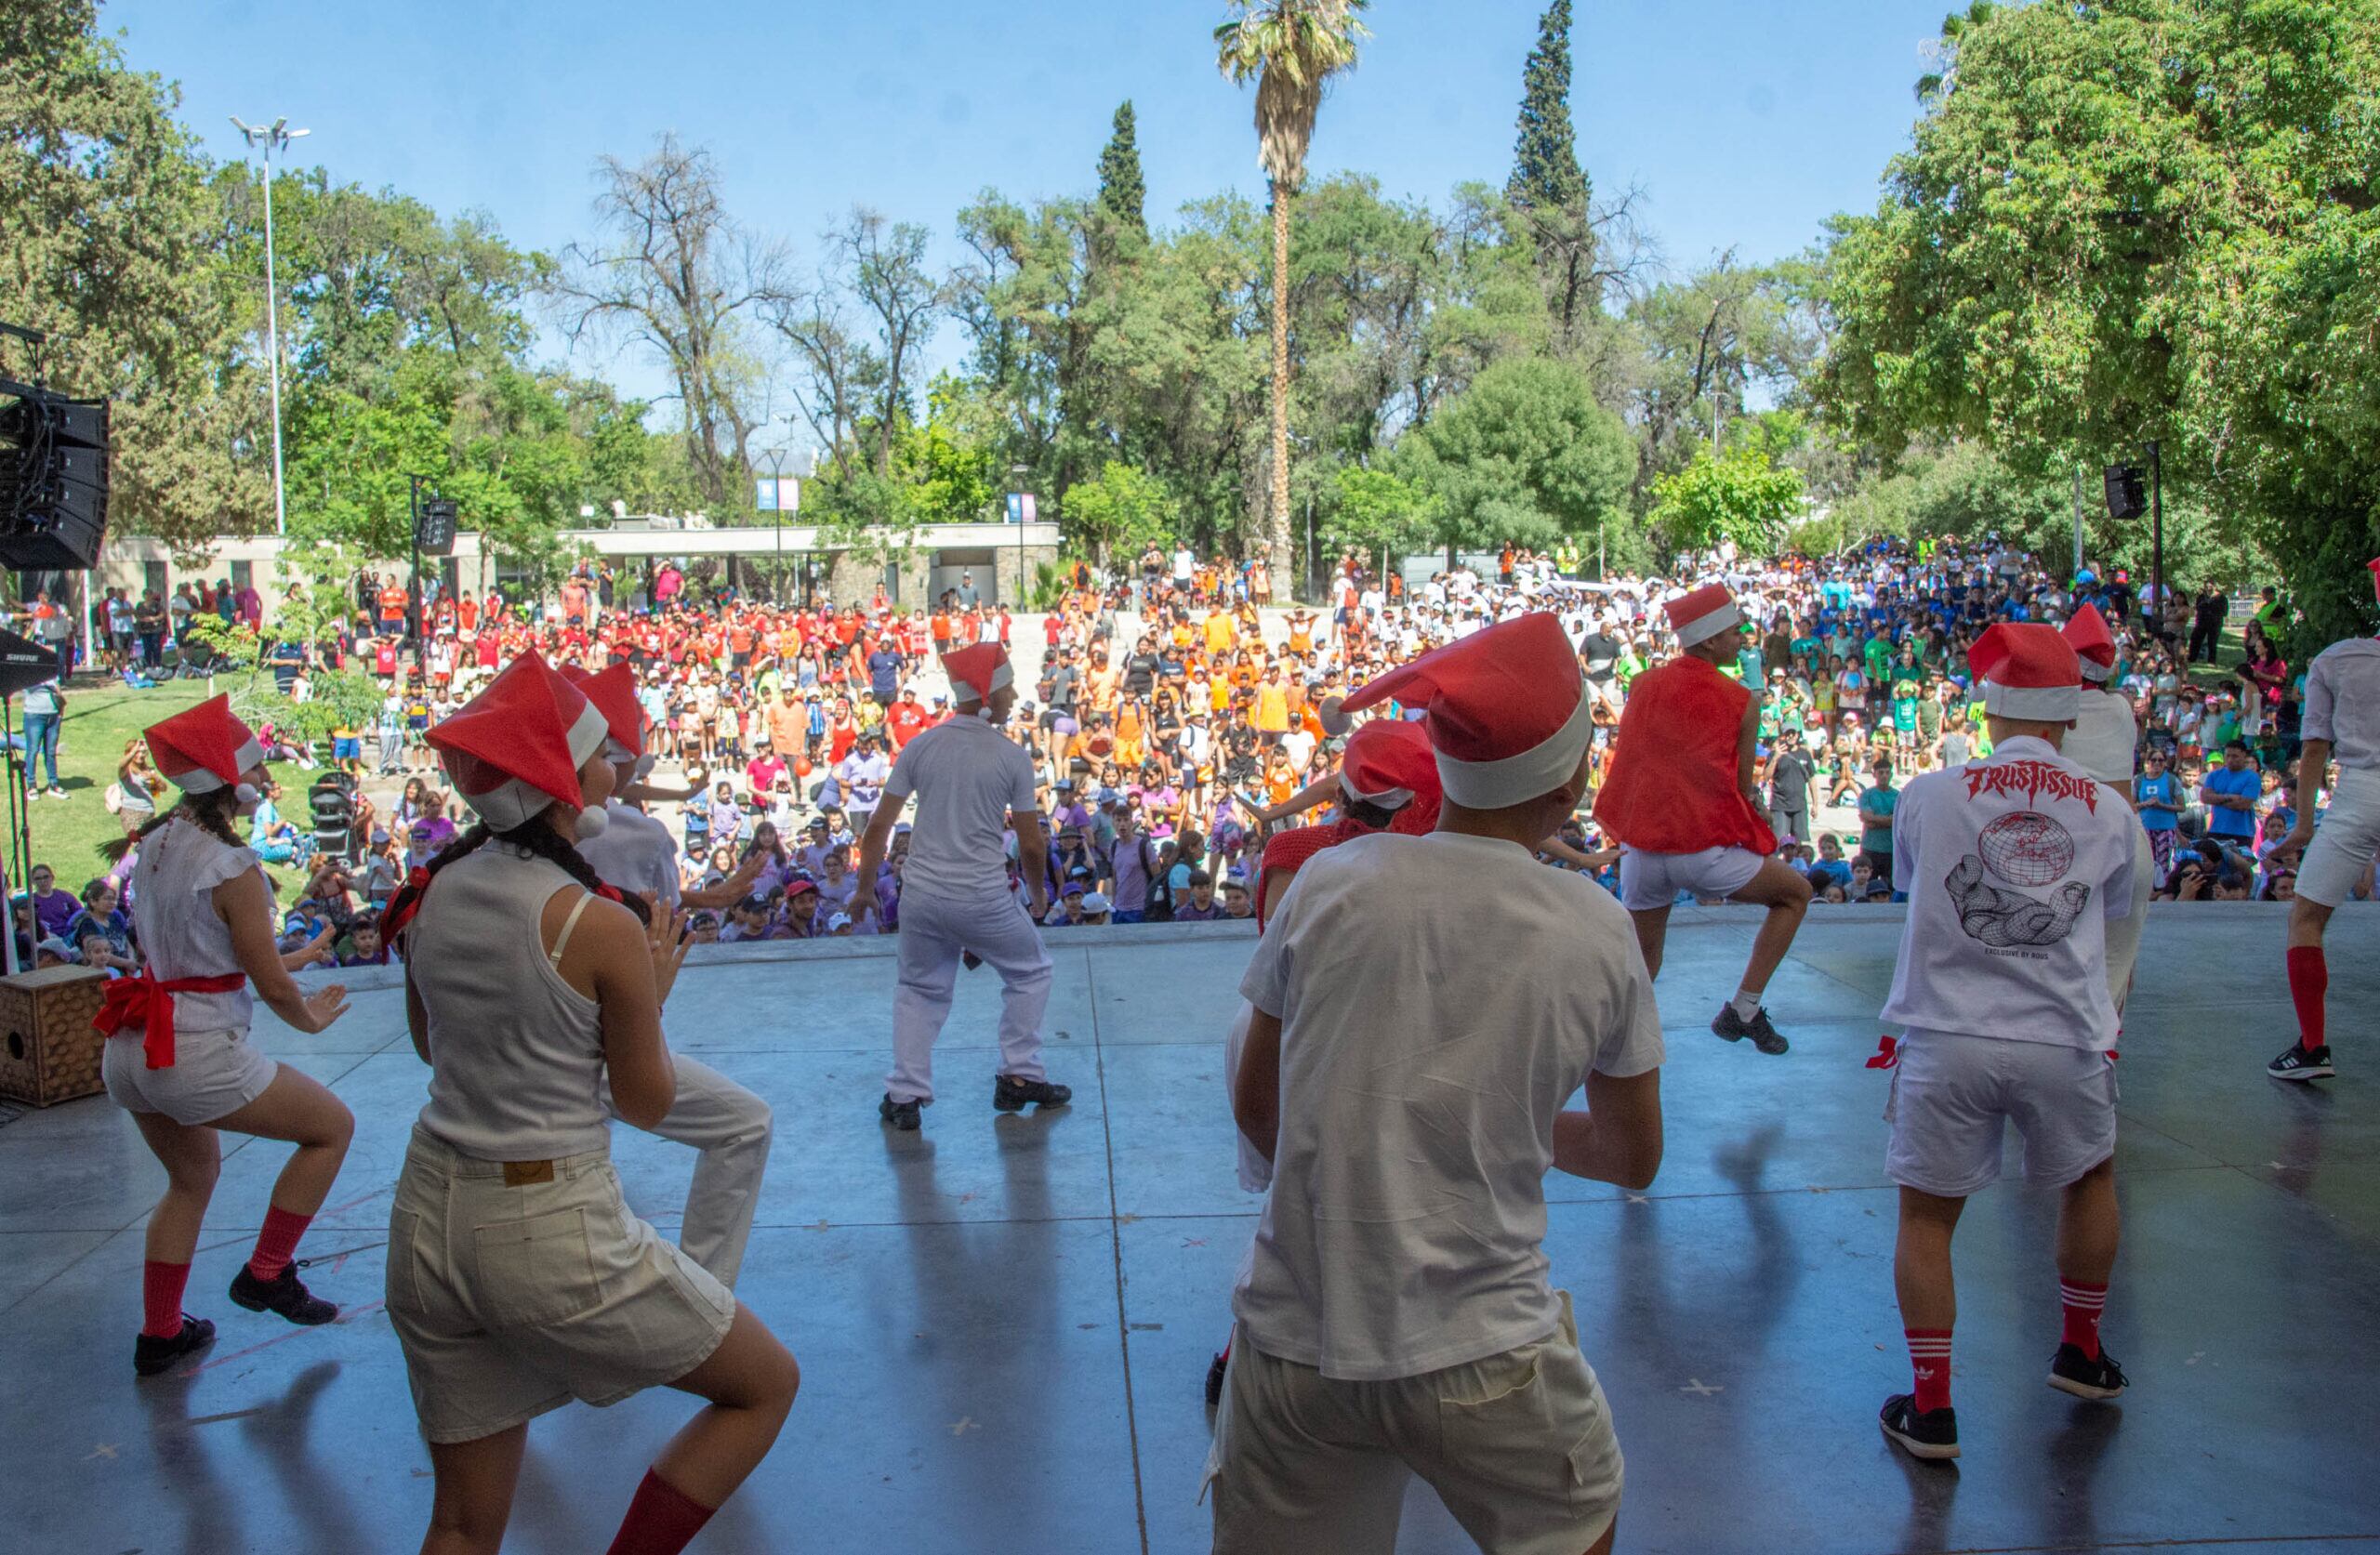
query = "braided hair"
{"x": 534, "y": 836}
{"x": 210, "y": 813}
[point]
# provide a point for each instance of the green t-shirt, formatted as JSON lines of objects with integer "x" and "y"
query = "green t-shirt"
{"x": 1879, "y": 656}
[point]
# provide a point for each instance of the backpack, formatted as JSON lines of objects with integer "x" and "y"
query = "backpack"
{"x": 1160, "y": 899}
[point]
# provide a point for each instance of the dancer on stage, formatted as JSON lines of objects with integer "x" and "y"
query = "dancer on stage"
{"x": 972, "y": 784}
{"x": 2342, "y": 722}
{"x": 2014, "y": 865}
{"x": 1387, "y": 781}
{"x": 179, "y": 1058}
{"x": 726, "y": 1125}
{"x": 2104, "y": 742}
{"x": 1683, "y": 800}
{"x": 1394, "y": 1315}
{"x": 518, "y": 1280}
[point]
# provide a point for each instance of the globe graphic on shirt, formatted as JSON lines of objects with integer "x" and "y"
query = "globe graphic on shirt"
{"x": 2026, "y": 848}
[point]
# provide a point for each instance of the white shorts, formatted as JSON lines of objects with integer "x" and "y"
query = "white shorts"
{"x": 1651, "y": 880}
{"x": 1518, "y": 1445}
{"x": 213, "y": 1076}
{"x": 1952, "y": 1093}
{"x": 2345, "y": 841}
{"x": 1255, "y": 1172}
{"x": 514, "y": 1292}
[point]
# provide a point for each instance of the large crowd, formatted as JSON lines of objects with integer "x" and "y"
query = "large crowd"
{"x": 1175, "y": 722}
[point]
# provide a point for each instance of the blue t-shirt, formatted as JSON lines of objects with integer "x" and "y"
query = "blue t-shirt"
{"x": 2163, "y": 789}
{"x": 1876, "y": 807}
{"x": 2240, "y": 823}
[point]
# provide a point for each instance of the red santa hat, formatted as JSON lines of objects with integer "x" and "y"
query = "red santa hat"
{"x": 516, "y": 746}
{"x": 2087, "y": 632}
{"x": 1506, "y": 710}
{"x": 205, "y": 747}
{"x": 1703, "y": 614}
{"x": 613, "y": 692}
{"x": 2028, "y": 671}
{"x": 2375, "y": 574}
{"x": 977, "y": 671}
{"x": 1389, "y": 763}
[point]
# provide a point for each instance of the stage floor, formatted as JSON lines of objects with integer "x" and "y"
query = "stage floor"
{"x": 1004, "y": 1322}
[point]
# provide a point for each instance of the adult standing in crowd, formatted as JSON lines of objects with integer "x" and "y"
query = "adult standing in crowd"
{"x": 518, "y": 1280}
{"x": 2343, "y": 723}
{"x": 178, "y": 1058}
{"x": 1409, "y": 1092}
{"x": 1682, "y": 799}
{"x": 973, "y": 786}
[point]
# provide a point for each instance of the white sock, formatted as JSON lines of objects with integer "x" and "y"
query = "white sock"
{"x": 1746, "y": 1004}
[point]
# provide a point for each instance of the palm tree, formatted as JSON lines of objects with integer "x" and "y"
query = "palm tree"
{"x": 1293, "y": 47}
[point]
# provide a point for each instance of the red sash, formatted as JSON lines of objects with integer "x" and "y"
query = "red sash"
{"x": 143, "y": 1000}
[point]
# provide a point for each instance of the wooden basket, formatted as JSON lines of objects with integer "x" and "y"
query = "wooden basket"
{"x": 49, "y": 1052}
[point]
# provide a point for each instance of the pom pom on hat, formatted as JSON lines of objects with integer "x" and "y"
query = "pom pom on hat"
{"x": 977, "y": 671}
{"x": 1505, "y": 710}
{"x": 2028, "y": 672}
{"x": 205, "y": 747}
{"x": 1703, "y": 614}
{"x": 516, "y": 746}
{"x": 2087, "y": 632}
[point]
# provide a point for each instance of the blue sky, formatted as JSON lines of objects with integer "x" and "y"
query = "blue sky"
{"x": 1746, "y": 122}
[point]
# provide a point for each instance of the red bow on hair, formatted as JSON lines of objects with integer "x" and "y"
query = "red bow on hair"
{"x": 1887, "y": 1053}
{"x": 398, "y": 917}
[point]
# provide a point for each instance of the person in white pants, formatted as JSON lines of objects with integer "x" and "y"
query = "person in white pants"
{"x": 971, "y": 784}
{"x": 728, "y": 1127}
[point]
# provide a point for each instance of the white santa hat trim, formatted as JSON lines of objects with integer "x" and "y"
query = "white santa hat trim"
{"x": 200, "y": 780}
{"x": 961, "y": 692}
{"x": 2098, "y": 673}
{"x": 1725, "y": 616}
{"x": 517, "y": 801}
{"x": 1387, "y": 799}
{"x": 1518, "y": 779}
{"x": 2033, "y": 704}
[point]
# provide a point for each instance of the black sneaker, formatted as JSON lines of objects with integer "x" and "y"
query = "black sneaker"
{"x": 2301, "y": 1063}
{"x": 1215, "y": 1380}
{"x": 1010, "y": 1094}
{"x": 1933, "y": 1436}
{"x": 2070, "y": 1371}
{"x": 1735, "y": 1028}
{"x": 287, "y": 1295}
{"x": 152, "y": 1355}
{"x": 900, "y": 1115}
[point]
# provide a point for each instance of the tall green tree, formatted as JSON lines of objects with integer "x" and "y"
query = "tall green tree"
{"x": 1291, "y": 49}
{"x": 2142, "y": 219}
{"x": 1526, "y": 456}
{"x": 1123, "y": 193}
{"x": 1546, "y": 175}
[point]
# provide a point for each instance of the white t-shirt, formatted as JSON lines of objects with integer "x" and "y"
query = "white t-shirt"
{"x": 967, "y": 777}
{"x": 2013, "y": 865}
{"x": 635, "y": 853}
{"x": 2342, "y": 703}
{"x": 1441, "y": 999}
{"x": 2104, "y": 738}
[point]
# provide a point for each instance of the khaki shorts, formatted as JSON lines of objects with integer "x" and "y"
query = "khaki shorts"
{"x": 2344, "y": 842}
{"x": 1519, "y": 1446}
{"x": 1954, "y": 1095}
{"x": 213, "y": 1076}
{"x": 515, "y": 1291}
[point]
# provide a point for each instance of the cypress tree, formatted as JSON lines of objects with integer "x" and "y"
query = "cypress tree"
{"x": 1121, "y": 191}
{"x": 1546, "y": 175}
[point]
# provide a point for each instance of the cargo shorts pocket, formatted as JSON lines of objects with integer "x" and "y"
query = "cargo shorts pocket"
{"x": 402, "y": 1289}
{"x": 534, "y": 1270}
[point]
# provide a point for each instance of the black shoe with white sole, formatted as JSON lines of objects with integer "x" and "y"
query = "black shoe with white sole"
{"x": 900, "y": 1115}
{"x": 1735, "y": 1028}
{"x": 1932, "y": 1435}
{"x": 2085, "y": 1377}
{"x": 152, "y": 1355}
{"x": 1011, "y": 1095}
{"x": 2302, "y": 1063}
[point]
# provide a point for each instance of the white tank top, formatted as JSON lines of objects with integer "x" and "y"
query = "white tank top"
{"x": 179, "y": 866}
{"x": 516, "y": 1054}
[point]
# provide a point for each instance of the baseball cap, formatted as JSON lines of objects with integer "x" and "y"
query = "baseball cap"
{"x": 1109, "y": 797}
{"x": 1096, "y": 902}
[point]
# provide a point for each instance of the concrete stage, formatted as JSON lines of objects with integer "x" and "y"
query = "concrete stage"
{"x": 1004, "y": 1322}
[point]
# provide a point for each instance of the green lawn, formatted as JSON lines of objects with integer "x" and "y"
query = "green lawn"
{"x": 68, "y": 833}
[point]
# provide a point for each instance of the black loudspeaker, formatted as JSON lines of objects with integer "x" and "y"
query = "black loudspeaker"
{"x": 435, "y": 533}
{"x": 2127, "y": 497}
{"x": 53, "y": 482}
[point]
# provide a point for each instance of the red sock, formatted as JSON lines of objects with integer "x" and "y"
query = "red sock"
{"x": 2310, "y": 980}
{"x": 161, "y": 1298}
{"x": 1929, "y": 1358}
{"x": 2084, "y": 1304}
{"x": 277, "y": 1243}
{"x": 661, "y": 1519}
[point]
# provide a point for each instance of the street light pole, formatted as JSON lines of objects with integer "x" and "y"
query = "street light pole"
{"x": 1020, "y": 471}
{"x": 265, "y": 139}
